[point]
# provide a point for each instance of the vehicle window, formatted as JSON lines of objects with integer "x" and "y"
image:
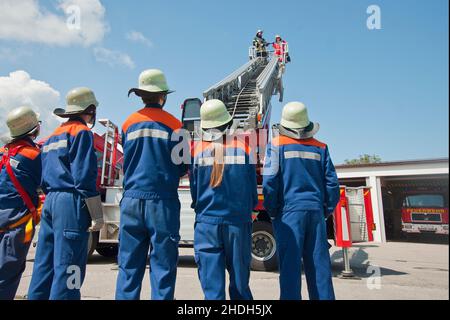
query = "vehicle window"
{"x": 191, "y": 109}
{"x": 424, "y": 200}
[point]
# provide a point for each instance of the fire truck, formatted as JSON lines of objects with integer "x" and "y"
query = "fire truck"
{"x": 424, "y": 211}
{"x": 247, "y": 92}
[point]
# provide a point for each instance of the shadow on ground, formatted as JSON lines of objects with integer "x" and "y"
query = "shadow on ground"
{"x": 360, "y": 264}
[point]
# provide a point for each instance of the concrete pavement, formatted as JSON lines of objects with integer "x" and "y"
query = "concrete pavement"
{"x": 386, "y": 271}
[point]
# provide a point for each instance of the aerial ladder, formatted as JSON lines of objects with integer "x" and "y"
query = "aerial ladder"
{"x": 246, "y": 92}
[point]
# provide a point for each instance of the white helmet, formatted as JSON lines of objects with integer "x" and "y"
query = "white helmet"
{"x": 22, "y": 121}
{"x": 295, "y": 117}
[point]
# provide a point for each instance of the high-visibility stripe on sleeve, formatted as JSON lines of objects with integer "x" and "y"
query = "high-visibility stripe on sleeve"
{"x": 209, "y": 161}
{"x": 302, "y": 155}
{"x": 55, "y": 146}
{"x": 150, "y": 133}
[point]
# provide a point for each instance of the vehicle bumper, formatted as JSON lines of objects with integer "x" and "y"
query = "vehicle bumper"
{"x": 422, "y": 228}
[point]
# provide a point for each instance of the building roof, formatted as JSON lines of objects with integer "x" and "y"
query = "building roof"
{"x": 393, "y": 163}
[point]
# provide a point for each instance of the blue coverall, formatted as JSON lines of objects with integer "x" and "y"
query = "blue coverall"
{"x": 14, "y": 246}
{"x": 223, "y": 227}
{"x": 69, "y": 172}
{"x": 150, "y": 209}
{"x": 301, "y": 190}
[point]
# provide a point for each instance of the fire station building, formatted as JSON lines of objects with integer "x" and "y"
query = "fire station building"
{"x": 403, "y": 193}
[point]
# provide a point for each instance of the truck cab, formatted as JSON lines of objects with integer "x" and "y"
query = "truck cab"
{"x": 425, "y": 212}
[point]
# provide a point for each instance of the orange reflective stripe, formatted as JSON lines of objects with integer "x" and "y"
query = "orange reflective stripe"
{"x": 236, "y": 143}
{"x": 283, "y": 140}
{"x": 152, "y": 115}
{"x": 29, "y": 152}
{"x": 200, "y": 146}
{"x": 70, "y": 127}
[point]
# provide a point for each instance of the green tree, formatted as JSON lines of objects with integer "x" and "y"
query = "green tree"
{"x": 364, "y": 159}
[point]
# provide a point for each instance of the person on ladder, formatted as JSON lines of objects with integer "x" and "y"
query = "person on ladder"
{"x": 20, "y": 177}
{"x": 260, "y": 44}
{"x": 72, "y": 205}
{"x": 281, "y": 50}
{"x": 301, "y": 190}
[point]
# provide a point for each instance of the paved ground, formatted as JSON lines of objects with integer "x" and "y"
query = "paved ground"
{"x": 408, "y": 271}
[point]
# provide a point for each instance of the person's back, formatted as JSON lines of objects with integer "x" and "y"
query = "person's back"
{"x": 223, "y": 189}
{"x": 150, "y": 209}
{"x": 27, "y": 170}
{"x": 20, "y": 174}
{"x": 149, "y": 171}
{"x": 213, "y": 204}
{"x": 72, "y": 204}
{"x": 65, "y": 166}
{"x": 301, "y": 190}
{"x": 305, "y": 163}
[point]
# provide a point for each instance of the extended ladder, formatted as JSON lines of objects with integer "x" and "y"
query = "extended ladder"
{"x": 248, "y": 90}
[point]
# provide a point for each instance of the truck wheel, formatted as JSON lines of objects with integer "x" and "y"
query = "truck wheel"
{"x": 92, "y": 242}
{"x": 108, "y": 252}
{"x": 264, "y": 248}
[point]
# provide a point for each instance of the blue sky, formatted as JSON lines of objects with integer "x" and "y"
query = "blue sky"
{"x": 381, "y": 92}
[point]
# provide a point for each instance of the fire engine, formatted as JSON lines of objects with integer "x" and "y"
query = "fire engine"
{"x": 247, "y": 93}
{"x": 424, "y": 211}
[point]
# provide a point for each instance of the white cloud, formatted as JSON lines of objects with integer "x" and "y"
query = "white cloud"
{"x": 19, "y": 89}
{"x": 28, "y": 21}
{"x": 138, "y": 37}
{"x": 113, "y": 58}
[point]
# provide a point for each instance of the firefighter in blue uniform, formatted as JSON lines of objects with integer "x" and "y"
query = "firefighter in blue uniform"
{"x": 72, "y": 206}
{"x": 301, "y": 190}
{"x": 150, "y": 209}
{"x": 224, "y": 193}
{"x": 20, "y": 177}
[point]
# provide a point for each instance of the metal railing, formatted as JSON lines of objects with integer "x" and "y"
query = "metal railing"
{"x": 234, "y": 82}
{"x": 267, "y": 82}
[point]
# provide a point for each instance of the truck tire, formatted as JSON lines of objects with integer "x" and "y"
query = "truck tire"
{"x": 92, "y": 243}
{"x": 109, "y": 251}
{"x": 264, "y": 248}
